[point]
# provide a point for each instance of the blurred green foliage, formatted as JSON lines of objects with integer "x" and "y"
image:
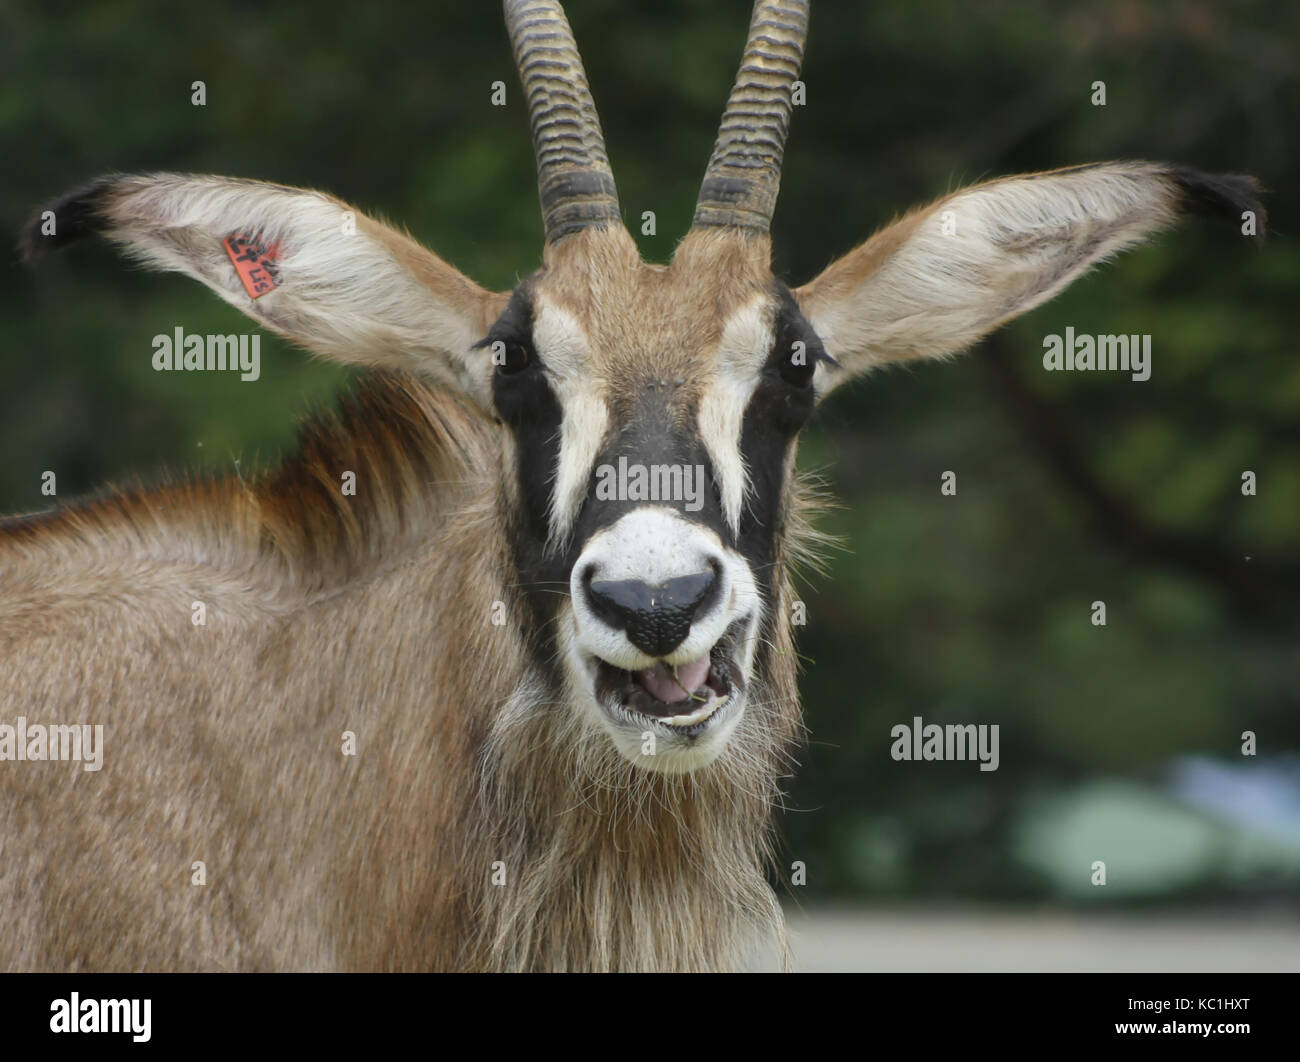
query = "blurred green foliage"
{"x": 973, "y": 608}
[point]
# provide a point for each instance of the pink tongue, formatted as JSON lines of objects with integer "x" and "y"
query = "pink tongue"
{"x": 660, "y": 684}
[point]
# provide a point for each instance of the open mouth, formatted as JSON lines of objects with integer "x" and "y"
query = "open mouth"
{"x": 683, "y": 696}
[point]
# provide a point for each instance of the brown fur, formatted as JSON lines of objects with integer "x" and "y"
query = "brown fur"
{"x": 482, "y": 824}
{"x": 327, "y": 613}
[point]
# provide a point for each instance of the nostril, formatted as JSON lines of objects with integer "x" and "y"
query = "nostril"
{"x": 657, "y": 618}
{"x": 712, "y": 592}
{"x": 698, "y": 592}
{"x": 610, "y": 599}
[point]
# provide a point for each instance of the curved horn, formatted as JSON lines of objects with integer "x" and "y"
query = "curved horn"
{"x": 574, "y": 181}
{"x": 744, "y": 174}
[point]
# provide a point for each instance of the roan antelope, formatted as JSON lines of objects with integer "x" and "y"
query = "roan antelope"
{"x": 572, "y": 703}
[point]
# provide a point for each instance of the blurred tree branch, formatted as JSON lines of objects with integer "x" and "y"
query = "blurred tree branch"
{"x": 1257, "y": 589}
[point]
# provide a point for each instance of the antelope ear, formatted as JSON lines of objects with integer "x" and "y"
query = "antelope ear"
{"x": 942, "y": 277}
{"x": 300, "y": 263}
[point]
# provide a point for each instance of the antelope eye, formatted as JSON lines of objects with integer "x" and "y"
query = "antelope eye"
{"x": 798, "y": 364}
{"x": 511, "y": 356}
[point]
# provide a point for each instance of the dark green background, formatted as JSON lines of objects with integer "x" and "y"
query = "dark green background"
{"x": 1071, "y": 488}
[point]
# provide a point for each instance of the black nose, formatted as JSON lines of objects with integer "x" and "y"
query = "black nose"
{"x": 656, "y": 618}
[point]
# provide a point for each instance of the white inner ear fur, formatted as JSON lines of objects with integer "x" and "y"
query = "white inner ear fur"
{"x": 986, "y": 255}
{"x": 742, "y": 351}
{"x": 344, "y": 292}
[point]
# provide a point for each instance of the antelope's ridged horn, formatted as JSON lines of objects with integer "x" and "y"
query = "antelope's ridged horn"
{"x": 574, "y": 181}
{"x": 744, "y": 174}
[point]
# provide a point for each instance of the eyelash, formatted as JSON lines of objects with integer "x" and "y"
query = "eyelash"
{"x": 800, "y": 375}
{"x": 509, "y": 356}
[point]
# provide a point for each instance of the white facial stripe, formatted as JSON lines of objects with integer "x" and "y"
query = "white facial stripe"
{"x": 742, "y": 351}
{"x": 582, "y": 430}
{"x": 562, "y": 345}
{"x": 560, "y": 340}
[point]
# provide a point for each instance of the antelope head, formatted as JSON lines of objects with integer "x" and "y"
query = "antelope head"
{"x": 648, "y": 414}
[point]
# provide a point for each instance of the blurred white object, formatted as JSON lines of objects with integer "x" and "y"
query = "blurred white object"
{"x": 913, "y": 941}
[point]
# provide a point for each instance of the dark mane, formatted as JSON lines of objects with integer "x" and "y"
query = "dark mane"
{"x": 404, "y": 442}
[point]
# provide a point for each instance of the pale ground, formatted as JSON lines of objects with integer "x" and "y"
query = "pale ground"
{"x": 914, "y": 941}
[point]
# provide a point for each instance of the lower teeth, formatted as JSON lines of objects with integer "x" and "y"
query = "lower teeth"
{"x": 697, "y": 716}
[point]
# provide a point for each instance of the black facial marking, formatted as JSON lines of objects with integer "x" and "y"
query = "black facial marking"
{"x": 513, "y": 331}
{"x": 653, "y": 436}
{"x": 651, "y": 433}
{"x": 779, "y": 407}
{"x": 526, "y": 403}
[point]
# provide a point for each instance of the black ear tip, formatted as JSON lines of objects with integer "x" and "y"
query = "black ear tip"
{"x": 1224, "y": 195}
{"x": 71, "y": 217}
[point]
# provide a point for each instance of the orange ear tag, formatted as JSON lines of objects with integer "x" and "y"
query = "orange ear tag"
{"x": 255, "y": 262}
